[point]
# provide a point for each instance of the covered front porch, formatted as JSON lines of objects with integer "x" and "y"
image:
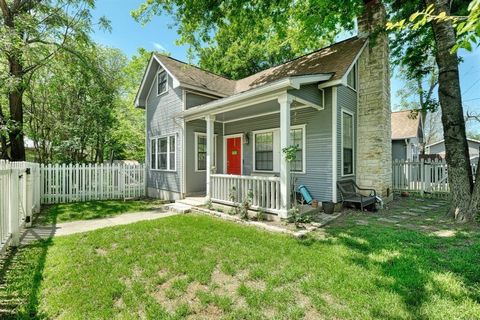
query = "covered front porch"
{"x": 241, "y": 143}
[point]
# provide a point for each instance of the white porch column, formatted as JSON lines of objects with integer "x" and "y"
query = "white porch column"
{"x": 210, "y": 147}
{"x": 285, "y": 101}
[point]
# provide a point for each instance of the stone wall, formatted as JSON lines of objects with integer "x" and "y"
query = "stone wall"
{"x": 374, "y": 155}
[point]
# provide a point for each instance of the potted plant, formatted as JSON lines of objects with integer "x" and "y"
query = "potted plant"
{"x": 328, "y": 207}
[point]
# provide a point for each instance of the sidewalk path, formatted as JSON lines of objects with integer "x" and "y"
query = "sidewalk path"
{"x": 67, "y": 228}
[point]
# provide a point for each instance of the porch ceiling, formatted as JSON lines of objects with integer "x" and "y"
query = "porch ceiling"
{"x": 255, "y": 110}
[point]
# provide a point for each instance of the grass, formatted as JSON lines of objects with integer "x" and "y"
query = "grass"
{"x": 95, "y": 209}
{"x": 364, "y": 266}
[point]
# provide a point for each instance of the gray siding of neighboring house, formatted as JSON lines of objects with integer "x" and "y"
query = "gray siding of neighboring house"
{"x": 310, "y": 93}
{"x": 346, "y": 100}
{"x": 192, "y": 100}
{"x": 196, "y": 180}
{"x": 439, "y": 148}
{"x": 399, "y": 150}
{"x": 160, "y": 111}
{"x": 318, "y": 176}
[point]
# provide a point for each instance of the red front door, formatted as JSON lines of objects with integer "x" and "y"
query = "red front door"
{"x": 234, "y": 156}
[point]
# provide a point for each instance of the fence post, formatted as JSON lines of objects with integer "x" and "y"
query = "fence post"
{"x": 13, "y": 208}
{"x": 28, "y": 198}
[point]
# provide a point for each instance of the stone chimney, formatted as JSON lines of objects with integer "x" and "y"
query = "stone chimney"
{"x": 374, "y": 151}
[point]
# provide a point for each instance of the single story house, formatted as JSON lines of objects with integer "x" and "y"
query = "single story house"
{"x": 407, "y": 135}
{"x": 223, "y": 139}
{"x": 438, "y": 148}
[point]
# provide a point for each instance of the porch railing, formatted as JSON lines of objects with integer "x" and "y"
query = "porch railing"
{"x": 231, "y": 189}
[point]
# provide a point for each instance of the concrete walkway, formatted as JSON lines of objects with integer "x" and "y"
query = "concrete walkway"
{"x": 67, "y": 228}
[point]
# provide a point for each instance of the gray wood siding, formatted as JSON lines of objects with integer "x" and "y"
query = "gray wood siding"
{"x": 160, "y": 111}
{"x": 399, "y": 150}
{"x": 310, "y": 92}
{"x": 346, "y": 100}
{"x": 196, "y": 181}
{"x": 318, "y": 176}
{"x": 192, "y": 100}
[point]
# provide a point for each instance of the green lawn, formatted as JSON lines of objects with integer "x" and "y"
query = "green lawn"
{"x": 197, "y": 267}
{"x": 95, "y": 209}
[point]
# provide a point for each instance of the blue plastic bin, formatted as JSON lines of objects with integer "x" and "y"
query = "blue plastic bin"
{"x": 305, "y": 194}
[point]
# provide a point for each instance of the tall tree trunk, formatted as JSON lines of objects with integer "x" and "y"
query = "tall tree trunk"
{"x": 17, "y": 148}
{"x": 449, "y": 93}
{"x": 15, "y": 95}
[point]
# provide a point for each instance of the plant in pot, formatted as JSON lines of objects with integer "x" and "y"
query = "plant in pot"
{"x": 328, "y": 207}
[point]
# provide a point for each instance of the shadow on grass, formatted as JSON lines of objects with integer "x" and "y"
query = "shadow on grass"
{"x": 417, "y": 266}
{"x": 21, "y": 273}
{"x": 95, "y": 209}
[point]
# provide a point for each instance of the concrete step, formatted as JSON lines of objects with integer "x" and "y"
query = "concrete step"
{"x": 193, "y": 201}
{"x": 179, "y": 207}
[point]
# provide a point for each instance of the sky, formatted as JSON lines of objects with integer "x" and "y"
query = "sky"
{"x": 128, "y": 35}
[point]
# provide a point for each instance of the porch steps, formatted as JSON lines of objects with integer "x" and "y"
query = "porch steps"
{"x": 179, "y": 207}
{"x": 192, "y": 201}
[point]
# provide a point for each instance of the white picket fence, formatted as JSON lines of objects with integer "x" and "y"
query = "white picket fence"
{"x": 19, "y": 199}
{"x": 80, "y": 182}
{"x": 425, "y": 177}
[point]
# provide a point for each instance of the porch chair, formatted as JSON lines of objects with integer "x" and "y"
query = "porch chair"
{"x": 350, "y": 194}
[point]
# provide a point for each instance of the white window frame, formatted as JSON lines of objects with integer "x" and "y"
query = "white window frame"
{"x": 277, "y": 153}
{"x": 354, "y": 69}
{"x": 201, "y": 134}
{"x": 166, "y": 84}
{"x": 353, "y": 143}
{"x": 169, "y": 167}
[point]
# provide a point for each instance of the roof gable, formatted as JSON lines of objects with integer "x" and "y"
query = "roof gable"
{"x": 335, "y": 60}
{"x": 404, "y": 125}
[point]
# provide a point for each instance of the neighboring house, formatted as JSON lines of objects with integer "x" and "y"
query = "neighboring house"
{"x": 438, "y": 148}
{"x": 30, "y": 154}
{"x": 407, "y": 135}
{"x": 217, "y": 137}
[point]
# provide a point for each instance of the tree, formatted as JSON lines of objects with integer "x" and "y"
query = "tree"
{"x": 238, "y": 38}
{"x": 31, "y": 33}
{"x": 465, "y": 194}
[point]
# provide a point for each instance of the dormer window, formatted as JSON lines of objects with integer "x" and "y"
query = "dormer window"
{"x": 162, "y": 82}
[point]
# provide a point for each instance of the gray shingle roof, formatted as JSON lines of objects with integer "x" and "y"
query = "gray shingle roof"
{"x": 335, "y": 59}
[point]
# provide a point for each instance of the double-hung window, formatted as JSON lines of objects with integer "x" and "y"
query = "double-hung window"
{"x": 264, "y": 151}
{"x": 201, "y": 151}
{"x": 163, "y": 153}
{"x": 162, "y": 82}
{"x": 296, "y": 139}
{"x": 267, "y": 153}
{"x": 347, "y": 143}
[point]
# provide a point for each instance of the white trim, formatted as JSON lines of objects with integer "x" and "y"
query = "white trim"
{"x": 175, "y": 81}
{"x": 198, "y": 93}
{"x": 203, "y": 134}
{"x": 353, "y": 142}
{"x": 355, "y": 67}
{"x": 334, "y": 144}
{"x": 158, "y": 82}
{"x": 237, "y": 135}
{"x": 343, "y": 81}
{"x": 184, "y": 157}
{"x": 275, "y": 134}
{"x": 211, "y": 92}
{"x": 263, "y": 114}
{"x": 167, "y": 136}
{"x": 228, "y": 102}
